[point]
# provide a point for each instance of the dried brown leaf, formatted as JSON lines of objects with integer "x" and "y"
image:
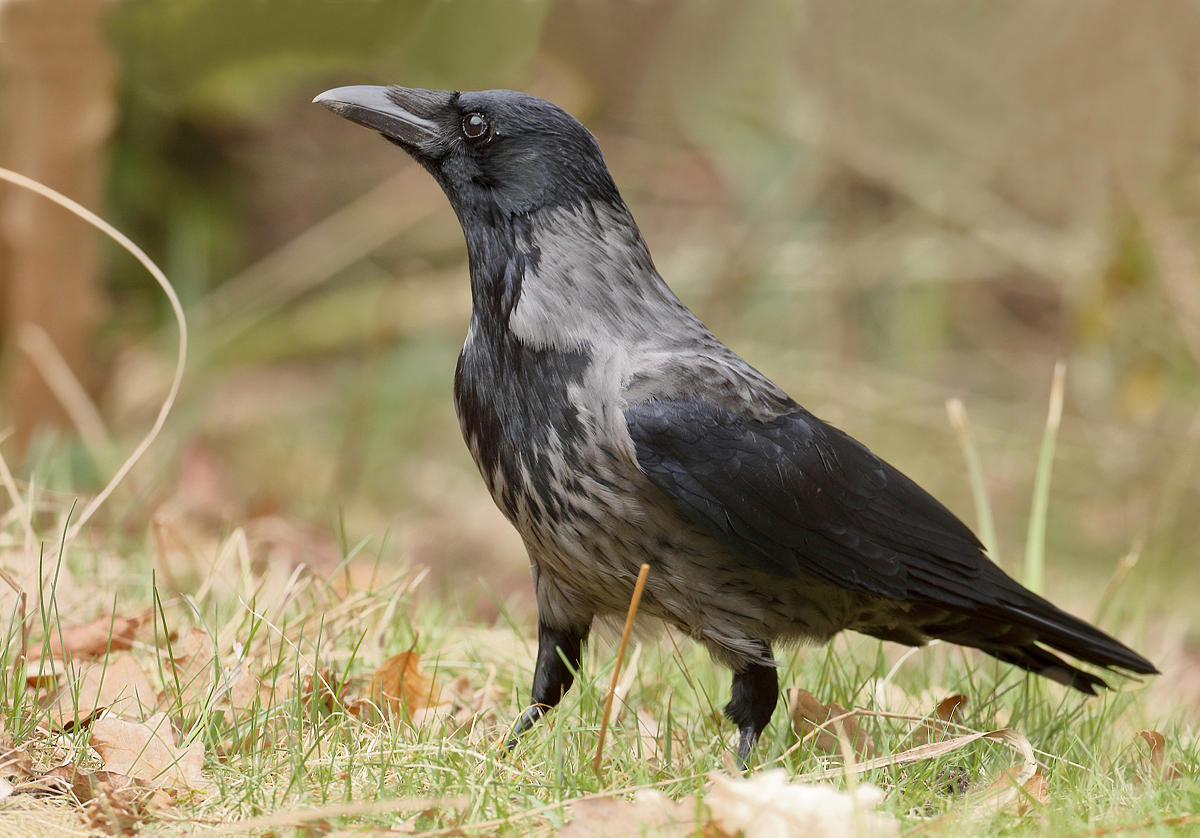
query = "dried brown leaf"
{"x": 189, "y": 666}
{"x": 328, "y": 689}
{"x": 119, "y": 683}
{"x": 402, "y": 686}
{"x": 42, "y": 674}
{"x": 949, "y": 709}
{"x": 649, "y": 813}
{"x": 470, "y": 708}
{"x": 1158, "y": 767}
{"x": 89, "y": 786}
{"x": 362, "y": 708}
{"x": 14, "y": 761}
{"x": 147, "y": 752}
{"x": 84, "y": 785}
{"x": 948, "y": 712}
{"x": 1158, "y": 747}
{"x": 245, "y": 692}
{"x": 57, "y": 782}
{"x": 1016, "y": 792}
{"x": 829, "y": 721}
{"x": 91, "y": 640}
{"x": 1036, "y": 789}
{"x": 63, "y": 779}
{"x": 649, "y": 735}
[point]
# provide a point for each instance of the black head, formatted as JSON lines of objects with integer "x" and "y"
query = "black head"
{"x": 493, "y": 150}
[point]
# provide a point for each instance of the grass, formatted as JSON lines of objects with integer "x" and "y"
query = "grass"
{"x": 302, "y": 757}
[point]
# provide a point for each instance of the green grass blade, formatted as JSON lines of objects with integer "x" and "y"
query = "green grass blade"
{"x": 1035, "y": 542}
{"x": 983, "y": 506}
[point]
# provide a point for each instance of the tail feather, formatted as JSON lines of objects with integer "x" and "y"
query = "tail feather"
{"x": 1017, "y": 627}
{"x": 1082, "y": 640}
{"x": 1043, "y": 662}
{"x": 1019, "y": 635}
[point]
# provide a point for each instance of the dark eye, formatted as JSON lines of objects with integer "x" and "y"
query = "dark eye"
{"x": 475, "y": 127}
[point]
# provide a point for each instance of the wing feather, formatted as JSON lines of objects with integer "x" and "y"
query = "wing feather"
{"x": 794, "y": 496}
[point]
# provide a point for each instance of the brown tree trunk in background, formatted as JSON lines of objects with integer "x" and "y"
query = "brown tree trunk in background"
{"x": 60, "y": 80}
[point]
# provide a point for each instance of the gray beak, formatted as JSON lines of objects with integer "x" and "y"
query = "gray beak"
{"x": 403, "y": 114}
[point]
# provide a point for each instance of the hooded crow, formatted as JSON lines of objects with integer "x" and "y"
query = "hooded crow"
{"x": 612, "y": 428}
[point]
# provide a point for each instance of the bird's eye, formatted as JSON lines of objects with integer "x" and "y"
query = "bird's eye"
{"x": 475, "y": 127}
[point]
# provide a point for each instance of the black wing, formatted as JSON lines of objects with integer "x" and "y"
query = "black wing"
{"x": 794, "y": 496}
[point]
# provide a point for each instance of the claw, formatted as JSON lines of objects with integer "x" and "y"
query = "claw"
{"x": 747, "y": 739}
{"x": 533, "y": 713}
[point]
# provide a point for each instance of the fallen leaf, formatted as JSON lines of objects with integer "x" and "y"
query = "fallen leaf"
{"x": 14, "y": 761}
{"x": 118, "y": 684}
{"x": 244, "y": 692}
{"x": 1014, "y": 792}
{"x": 650, "y": 813}
{"x": 1158, "y": 747}
{"x": 42, "y": 674}
{"x": 1157, "y": 758}
{"x": 767, "y": 805}
{"x": 57, "y": 782}
{"x": 829, "y": 721}
{"x": 66, "y": 778}
{"x": 84, "y": 785}
{"x": 92, "y": 640}
{"x": 948, "y": 712}
{"x": 189, "y": 667}
{"x": 328, "y": 689}
{"x": 147, "y": 751}
{"x": 949, "y": 709}
{"x": 1036, "y": 789}
{"x": 649, "y": 735}
{"x": 471, "y": 709}
{"x": 401, "y": 684}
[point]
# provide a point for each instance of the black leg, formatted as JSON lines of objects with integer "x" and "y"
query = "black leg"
{"x": 755, "y": 693}
{"x": 552, "y": 676}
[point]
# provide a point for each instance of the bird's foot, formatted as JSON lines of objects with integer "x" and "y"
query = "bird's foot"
{"x": 747, "y": 739}
{"x": 755, "y": 692}
{"x": 533, "y": 713}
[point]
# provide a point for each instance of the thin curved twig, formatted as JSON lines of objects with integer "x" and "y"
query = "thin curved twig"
{"x": 176, "y": 307}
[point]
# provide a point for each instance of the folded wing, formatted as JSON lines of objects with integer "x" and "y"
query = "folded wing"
{"x": 793, "y": 496}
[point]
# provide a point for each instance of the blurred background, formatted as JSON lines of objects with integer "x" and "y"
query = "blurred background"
{"x": 880, "y": 205}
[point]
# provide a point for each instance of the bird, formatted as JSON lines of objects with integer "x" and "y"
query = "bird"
{"x": 612, "y": 429}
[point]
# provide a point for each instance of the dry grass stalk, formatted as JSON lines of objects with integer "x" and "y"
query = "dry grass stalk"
{"x": 612, "y": 690}
{"x": 176, "y": 306}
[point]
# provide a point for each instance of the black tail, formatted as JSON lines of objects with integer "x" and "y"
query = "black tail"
{"x": 1018, "y": 633}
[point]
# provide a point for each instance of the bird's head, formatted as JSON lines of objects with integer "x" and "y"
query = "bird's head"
{"x": 492, "y": 150}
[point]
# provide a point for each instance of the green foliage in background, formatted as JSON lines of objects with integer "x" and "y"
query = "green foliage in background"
{"x": 199, "y": 73}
